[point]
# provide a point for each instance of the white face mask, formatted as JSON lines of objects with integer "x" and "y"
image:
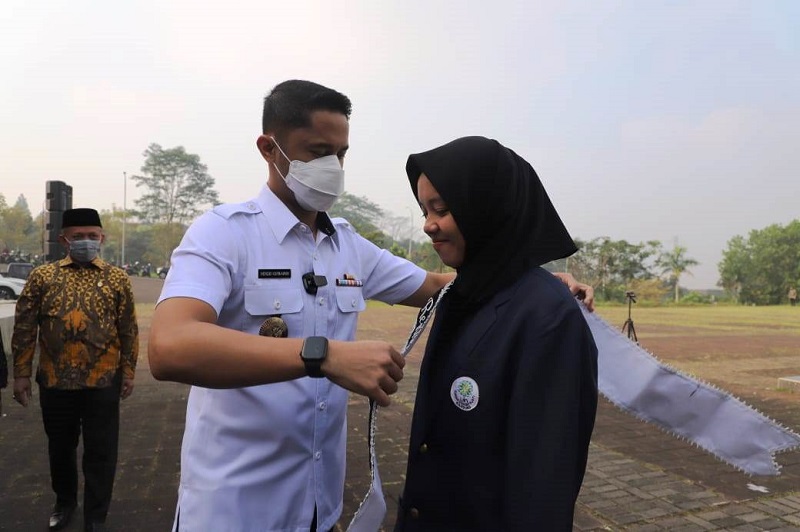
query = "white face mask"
{"x": 316, "y": 184}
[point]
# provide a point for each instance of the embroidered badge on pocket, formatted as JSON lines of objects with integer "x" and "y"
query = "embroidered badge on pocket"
{"x": 464, "y": 393}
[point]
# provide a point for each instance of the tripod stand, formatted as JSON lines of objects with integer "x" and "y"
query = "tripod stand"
{"x": 628, "y": 325}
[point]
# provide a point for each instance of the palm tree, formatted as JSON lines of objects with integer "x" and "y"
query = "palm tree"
{"x": 675, "y": 263}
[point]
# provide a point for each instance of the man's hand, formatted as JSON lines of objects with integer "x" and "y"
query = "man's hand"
{"x": 584, "y": 292}
{"x": 22, "y": 390}
{"x": 369, "y": 368}
{"x": 127, "y": 388}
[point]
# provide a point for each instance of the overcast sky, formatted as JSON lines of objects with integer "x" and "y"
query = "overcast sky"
{"x": 676, "y": 121}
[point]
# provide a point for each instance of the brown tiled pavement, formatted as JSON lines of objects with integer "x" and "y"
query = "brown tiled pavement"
{"x": 638, "y": 478}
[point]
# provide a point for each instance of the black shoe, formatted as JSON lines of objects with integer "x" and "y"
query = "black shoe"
{"x": 61, "y": 516}
{"x": 95, "y": 527}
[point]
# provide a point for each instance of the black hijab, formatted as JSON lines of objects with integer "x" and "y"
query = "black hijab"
{"x": 501, "y": 208}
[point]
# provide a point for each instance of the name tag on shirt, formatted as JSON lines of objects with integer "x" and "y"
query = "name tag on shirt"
{"x": 274, "y": 274}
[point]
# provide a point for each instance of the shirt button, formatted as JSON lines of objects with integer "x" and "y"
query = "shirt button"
{"x": 317, "y": 455}
{"x": 251, "y": 206}
{"x": 316, "y": 257}
{"x": 414, "y": 513}
{"x": 322, "y": 405}
{"x": 321, "y": 301}
{"x": 354, "y": 303}
{"x": 277, "y": 303}
{"x": 423, "y": 448}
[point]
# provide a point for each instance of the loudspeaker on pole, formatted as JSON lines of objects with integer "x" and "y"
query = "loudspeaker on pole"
{"x": 58, "y": 198}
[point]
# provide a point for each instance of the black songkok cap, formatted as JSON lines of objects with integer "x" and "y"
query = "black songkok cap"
{"x": 80, "y": 217}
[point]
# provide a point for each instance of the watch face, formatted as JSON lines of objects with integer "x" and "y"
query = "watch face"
{"x": 315, "y": 348}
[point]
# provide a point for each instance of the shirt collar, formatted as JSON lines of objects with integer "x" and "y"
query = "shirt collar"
{"x": 282, "y": 220}
{"x": 97, "y": 262}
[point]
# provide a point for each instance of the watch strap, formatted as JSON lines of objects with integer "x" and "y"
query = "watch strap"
{"x": 313, "y": 354}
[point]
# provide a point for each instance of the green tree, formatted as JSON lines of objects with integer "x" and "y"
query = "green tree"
{"x": 424, "y": 256}
{"x": 177, "y": 188}
{"x": 3, "y": 226}
{"x": 17, "y": 230}
{"x": 112, "y": 227}
{"x": 760, "y": 269}
{"x": 36, "y": 239}
{"x": 675, "y": 263}
{"x": 610, "y": 266}
{"x": 164, "y": 238}
{"x": 397, "y": 249}
{"x": 363, "y": 214}
{"x": 735, "y": 267}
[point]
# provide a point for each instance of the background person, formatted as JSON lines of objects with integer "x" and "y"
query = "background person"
{"x": 792, "y": 296}
{"x": 82, "y": 310}
{"x": 507, "y": 394}
{"x": 3, "y": 372}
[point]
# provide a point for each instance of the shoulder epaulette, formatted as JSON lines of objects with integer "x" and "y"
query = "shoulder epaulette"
{"x": 341, "y": 223}
{"x": 226, "y": 210}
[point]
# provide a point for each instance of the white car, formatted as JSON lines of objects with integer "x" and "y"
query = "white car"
{"x": 10, "y": 287}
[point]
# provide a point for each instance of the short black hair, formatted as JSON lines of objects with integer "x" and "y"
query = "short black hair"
{"x": 289, "y": 105}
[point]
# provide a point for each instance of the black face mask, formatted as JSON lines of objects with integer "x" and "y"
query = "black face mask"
{"x": 84, "y": 250}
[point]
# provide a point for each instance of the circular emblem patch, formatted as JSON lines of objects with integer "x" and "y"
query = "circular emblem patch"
{"x": 464, "y": 393}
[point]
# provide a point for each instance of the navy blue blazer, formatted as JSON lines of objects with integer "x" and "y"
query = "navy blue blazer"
{"x": 508, "y": 453}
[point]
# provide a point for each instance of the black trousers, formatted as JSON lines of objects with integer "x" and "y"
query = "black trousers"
{"x": 95, "y": 412}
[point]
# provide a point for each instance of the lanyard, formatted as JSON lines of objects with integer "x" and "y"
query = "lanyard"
{"x": 372, "y": 509}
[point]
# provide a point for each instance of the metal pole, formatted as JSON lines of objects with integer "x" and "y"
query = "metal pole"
{"x": 124, "y": 212}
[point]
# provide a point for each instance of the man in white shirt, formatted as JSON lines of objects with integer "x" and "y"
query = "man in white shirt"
{"x": 264, "y": 443}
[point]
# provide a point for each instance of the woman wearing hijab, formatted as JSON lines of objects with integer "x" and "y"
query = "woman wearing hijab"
{"x": 507, "y": 394}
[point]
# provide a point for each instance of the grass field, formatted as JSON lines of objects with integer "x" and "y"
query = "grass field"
{"x": 711, "y": 318}
{"x": 741, "y": 349}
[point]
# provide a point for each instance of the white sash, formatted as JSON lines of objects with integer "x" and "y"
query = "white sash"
{"x": 685, "y": 407}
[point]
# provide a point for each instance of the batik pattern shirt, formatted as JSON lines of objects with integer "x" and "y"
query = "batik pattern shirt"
{"x": 86, "y": 324}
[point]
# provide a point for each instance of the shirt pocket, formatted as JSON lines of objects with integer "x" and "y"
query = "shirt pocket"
{"x": 350, "y": 299}
{"x": 260, "y": 302}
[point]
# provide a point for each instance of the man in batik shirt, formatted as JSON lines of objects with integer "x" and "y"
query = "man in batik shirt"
{"x": 82, "y": 310}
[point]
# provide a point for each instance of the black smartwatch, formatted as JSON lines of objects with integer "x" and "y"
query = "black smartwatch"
{"x": 315, "y": 350}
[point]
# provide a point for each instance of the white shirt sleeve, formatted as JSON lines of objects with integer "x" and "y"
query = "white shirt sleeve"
{"x": 203, "y": 265}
